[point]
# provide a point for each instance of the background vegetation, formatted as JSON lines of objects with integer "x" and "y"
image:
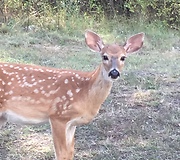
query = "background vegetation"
{"x": 41, "y": 12}
{"x": 140, "y": 120}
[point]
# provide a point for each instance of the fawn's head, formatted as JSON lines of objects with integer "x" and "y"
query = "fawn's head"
{"x": 113, "y": 55}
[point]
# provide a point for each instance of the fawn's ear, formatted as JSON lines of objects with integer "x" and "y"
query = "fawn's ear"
{"x": 93, "y": 41}
{"x": 134, "y": 43}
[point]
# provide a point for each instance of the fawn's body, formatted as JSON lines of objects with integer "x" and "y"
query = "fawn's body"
{"x": 32, "y": 96}
{"x": 66, "y": 98}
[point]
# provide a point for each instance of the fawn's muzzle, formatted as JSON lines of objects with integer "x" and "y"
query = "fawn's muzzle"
{"x": 114, "y": 74}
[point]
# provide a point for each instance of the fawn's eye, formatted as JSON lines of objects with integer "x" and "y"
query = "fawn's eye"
{"x": 123, "y": 58}
{"x": 105, "y": 58}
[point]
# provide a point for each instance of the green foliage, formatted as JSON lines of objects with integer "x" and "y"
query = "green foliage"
{"x": 54, "y": 14}
{"x": 167, "y": 11}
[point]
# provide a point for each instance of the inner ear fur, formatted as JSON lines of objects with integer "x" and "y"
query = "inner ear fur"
{"x": 134, "y": 43}
{"x": 93, "y": 41}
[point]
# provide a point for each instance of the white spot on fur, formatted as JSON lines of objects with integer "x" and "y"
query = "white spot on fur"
{"x": 41, "y": 70}
{"x": 17, "y": 76}
{"x": 17, "y": 67}
{"x": 47, "y": 94}
{"x": 48, "y": 70}
{"x": 77, "y": 76}
{"x": 77, "y": 90}
{"x": 11, "y": 66}
{"x": 55, "y": 102}
{"x": 72, "y": 78}
{"x": 36, "y": 91}
{"x": 25, "y": 68}
{"x": 19, "y": 82}
{"x": 5, "y": 72}
{"x": 10, "y": 92}
{"x": 52, "y": 92}
{"x": 66, "y": 81}
{"x": 3, "y": 83}
{"x": 43, "y": 92}
{"x": 9, "y": 83}
{"x": 64, "y": 98}
{"x": 5, "y": 65}
{"x": 65, "y": 105}
{"x": 69, "y": 93}
{"x": 35, "y": 83}
{"x": 64, "y": 112}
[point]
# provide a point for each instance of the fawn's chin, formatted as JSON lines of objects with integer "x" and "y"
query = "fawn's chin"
{"x": 114, "y": 78}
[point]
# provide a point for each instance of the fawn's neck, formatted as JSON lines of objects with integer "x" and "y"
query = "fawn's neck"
{"x": 101, "y": 85}
{"x": 98, "y": 89}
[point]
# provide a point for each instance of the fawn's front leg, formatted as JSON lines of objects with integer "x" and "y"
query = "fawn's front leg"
{"x": 63, "y": 138}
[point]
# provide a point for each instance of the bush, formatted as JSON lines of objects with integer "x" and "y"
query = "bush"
{"x": 167, "y": 11}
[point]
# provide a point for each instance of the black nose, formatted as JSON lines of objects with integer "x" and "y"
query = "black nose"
{"x": 114, "y": 74}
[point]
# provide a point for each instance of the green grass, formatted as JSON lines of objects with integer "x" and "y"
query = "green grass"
{"x": 140, "y": 118}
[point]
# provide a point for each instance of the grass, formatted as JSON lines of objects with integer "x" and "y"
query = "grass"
{"x": 140, "y": 118}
